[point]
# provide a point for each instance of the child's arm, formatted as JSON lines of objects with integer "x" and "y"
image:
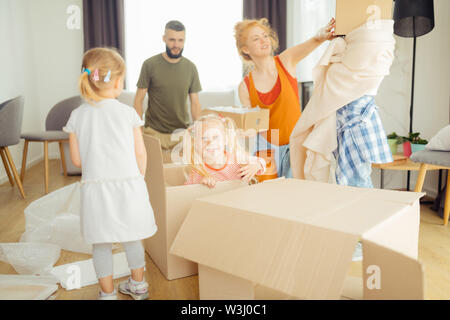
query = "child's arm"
{"x": 140, "y": 151}
{"x": 74, "y": 150}
{"x": 210, "y": 182}
{"x": 195, "y": 178}
{"x": 256, "y": 166}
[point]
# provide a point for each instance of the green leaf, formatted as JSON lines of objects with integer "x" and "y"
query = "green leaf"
{"x": 392, "y": 135}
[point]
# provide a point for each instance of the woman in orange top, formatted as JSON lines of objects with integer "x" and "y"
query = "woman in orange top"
{"x": 272, "y": 83}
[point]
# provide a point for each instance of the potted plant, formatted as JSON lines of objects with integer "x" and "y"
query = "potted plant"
{"x": 392, "y": 141}
{"x": 417, "y": 143}
{"x": 412, "y": 143}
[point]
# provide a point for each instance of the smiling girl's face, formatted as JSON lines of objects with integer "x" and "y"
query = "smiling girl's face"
{"x": 211, "y": 143}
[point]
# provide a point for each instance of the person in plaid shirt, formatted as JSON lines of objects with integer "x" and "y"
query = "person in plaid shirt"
{"x": 361, "y": 142}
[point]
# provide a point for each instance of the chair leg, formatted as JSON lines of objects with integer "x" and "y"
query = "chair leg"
{"x": 24, "y": 161}
{"x": 63, "y": 158}
{"x": 46, "y": 166}
{"x": 447, "y": 200}
{"x": 421, "y": 177}
{"x": 5, "y": 163}
{"x": 14, "y": 170}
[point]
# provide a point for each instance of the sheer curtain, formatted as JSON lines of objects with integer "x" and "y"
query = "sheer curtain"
{"x": 305, "y": 18}
{"x": 209, "y": 43}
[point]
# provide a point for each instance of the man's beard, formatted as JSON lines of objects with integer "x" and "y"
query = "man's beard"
{"x": 173, "y": 56}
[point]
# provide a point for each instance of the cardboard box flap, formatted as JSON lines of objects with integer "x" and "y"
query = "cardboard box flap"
{"x": 184, "y": 196}
{"x": 276, "y": 198}
{"x": 175, "y": 175}
{"x": 400, "y": 232}
{"x": 155, "y": 173}
{"x": 390, "y": 275}
{"x": 353, "y": 288}
{"x": 297, "y": 259}
{"x": 320, "y": 204}
{"x": 157, "y": 193}
{"x": 395, "y": 196}
{"x": 364, "y": 215}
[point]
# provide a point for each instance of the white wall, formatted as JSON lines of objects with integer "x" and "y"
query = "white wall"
{"x": 432, "y": 81}
{"x": 16, "y": 67}
{"x": 431, "y": 93}
{"x": 41, "y": 60}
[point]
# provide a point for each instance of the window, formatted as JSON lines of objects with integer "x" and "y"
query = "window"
{"x": 209, "y": 43}
{"x": 305, "y": 18}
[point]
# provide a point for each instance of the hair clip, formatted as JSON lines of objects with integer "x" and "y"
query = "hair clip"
{"x": 108, "y": 77}
{"x": 96, "y": 77}
{"x": 87, "y": 71}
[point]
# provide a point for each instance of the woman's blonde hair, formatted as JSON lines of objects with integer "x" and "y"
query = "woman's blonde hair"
{"x": 241, "y": 30}
{"x": 105, "y": 62}
{"x": 232, "y": 145}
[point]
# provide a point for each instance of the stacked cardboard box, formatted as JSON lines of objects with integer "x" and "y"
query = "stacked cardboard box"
{"x": 351, "y": 14}
{"x": 247, "y": 119}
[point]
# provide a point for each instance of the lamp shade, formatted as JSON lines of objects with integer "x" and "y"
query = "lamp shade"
{"x": 413, "y": 18}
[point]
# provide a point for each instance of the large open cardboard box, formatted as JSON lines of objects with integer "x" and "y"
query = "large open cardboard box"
{"x": 171, "y": 201}
{"x": 351, "y": 14}
{"x": 291, "y": 238}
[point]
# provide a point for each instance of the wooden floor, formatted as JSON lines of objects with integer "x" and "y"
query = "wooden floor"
{"x": 434, "y": 244}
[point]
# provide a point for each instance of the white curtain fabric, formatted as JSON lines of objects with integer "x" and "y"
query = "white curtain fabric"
{"x": 305, "y": 18}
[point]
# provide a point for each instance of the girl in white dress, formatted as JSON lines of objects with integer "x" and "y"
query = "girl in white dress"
{"x": 106, "y": 143}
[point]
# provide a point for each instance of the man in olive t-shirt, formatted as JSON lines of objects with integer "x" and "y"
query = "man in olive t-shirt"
{"x": 169, "y": 79}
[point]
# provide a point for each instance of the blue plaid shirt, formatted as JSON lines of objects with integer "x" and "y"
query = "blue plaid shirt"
{"x": 361, "y": 138}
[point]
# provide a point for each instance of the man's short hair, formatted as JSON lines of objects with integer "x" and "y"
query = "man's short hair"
{"x": 175, "y": 25}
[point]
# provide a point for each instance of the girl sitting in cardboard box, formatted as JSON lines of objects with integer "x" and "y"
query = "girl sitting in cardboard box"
{"x": 212, "y": 149}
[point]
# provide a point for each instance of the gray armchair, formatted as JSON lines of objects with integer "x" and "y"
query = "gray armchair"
{"x": 11, "y": 115}
{"x": 438, "y": 160}
{"x": 55, "y": 121}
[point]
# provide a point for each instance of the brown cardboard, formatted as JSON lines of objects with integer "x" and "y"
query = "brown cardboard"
{"x": 351, "y": 14}
{"x": 167, "y": 156}
{"x": 353, "y": 289}
{"x": 401, "y": 277}
{"x": 171, "y": 201}
{"x": 294, "y": 239}
{"x": 245, "y": 118}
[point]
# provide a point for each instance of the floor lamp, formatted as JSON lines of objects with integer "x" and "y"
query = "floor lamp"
{"x": 413, "y": 18}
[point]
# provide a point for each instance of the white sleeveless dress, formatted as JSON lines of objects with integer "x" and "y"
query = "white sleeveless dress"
{"x": 115, "y": 205}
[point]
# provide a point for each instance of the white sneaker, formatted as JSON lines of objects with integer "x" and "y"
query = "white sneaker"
{"x": 138, "y": 291}
{"x": 107, "y": 296}
{"x": 358, "y": 254}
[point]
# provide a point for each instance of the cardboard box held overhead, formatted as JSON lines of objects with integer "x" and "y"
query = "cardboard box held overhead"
{"x": 295, "y": 239}
{"x": 171, "y": 201}
{"x": 245, "y": 118}
{"x": 351, "y": 14}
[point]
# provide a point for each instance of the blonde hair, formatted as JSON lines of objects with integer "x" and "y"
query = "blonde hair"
{"x": 104, "y": 60}
{"x": 241, "y": 30}
{"x": 232, "y": 145}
